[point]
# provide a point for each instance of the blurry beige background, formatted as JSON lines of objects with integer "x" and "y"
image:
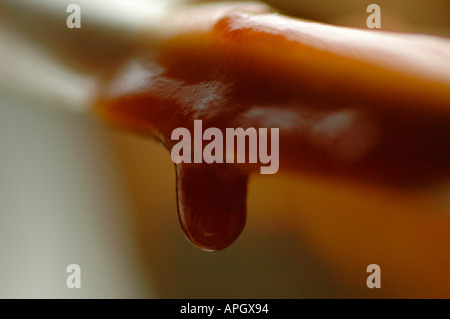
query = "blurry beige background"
{"x": 73, "y": 190}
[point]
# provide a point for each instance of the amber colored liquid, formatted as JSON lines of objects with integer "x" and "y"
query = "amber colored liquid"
{"x": 337, "y": 117}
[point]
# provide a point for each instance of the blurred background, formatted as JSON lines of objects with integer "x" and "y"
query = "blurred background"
{"x": 73, "y": 190}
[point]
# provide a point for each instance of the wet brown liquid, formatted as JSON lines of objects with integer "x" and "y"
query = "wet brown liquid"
{"x": 337, "y": 117}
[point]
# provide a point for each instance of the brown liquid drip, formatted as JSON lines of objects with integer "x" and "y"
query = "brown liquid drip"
{"x": 332, "y": 124}
{"x": 211, "y": 204}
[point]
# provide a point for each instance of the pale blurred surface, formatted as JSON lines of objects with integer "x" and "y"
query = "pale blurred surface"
{"x": 62, "y": 203}
{"x": 75, "y": 191}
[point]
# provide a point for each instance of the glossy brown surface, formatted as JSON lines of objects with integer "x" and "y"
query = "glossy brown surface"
{"x": 343, "y": 110}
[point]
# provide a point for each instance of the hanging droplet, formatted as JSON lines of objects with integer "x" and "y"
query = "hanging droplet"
{"x": 211, "y": 204}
